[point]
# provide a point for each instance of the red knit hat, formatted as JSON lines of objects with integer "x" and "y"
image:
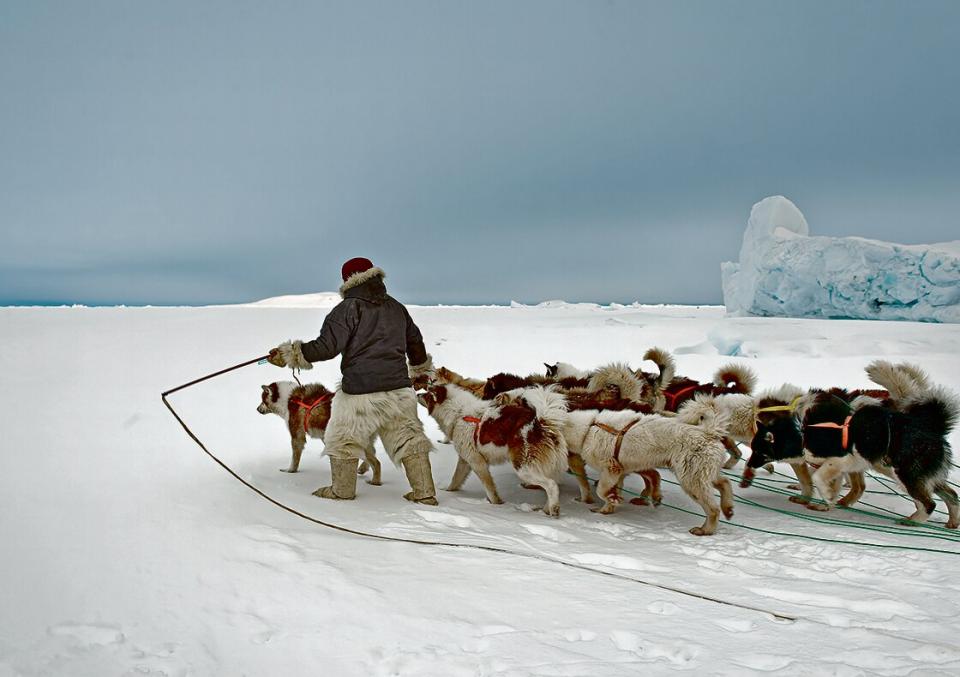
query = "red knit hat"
{"x": 354, "y": 266}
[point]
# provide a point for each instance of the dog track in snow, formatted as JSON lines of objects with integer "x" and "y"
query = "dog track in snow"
{"x": 445, "y": 518}
{"x": 100, "y": 648}
{"x": 679, "y": 653}
{"x": 764, "y": 662}
{"x": 550, "y": 533}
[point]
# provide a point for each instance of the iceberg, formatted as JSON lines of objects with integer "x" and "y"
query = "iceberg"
{"x": 784, "y": 271}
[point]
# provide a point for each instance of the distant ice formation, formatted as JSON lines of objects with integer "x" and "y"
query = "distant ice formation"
{"x": 784, "y": 271}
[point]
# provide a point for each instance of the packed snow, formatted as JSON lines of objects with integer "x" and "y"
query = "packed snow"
{"x": 127, "y": 551}
{"x": 783, "y": 271}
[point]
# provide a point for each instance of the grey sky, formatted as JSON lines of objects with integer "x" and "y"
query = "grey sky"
{"x": 185, "y": 152}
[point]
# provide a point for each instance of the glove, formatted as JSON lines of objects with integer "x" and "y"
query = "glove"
{"x": 288, "y": 354}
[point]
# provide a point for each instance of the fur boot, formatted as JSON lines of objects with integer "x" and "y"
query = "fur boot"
{"x": 343, "y": 472}
{"x": 420, "y": 477}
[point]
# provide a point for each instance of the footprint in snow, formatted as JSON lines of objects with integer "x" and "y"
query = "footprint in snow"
{"x": 458, "y": 521}
{"x": 678, "y": 653}
{"x": 663, "y": 608}
{"x": 550, "y": 533}
{"x": 87, "y": 634}
{"x": 576, "y": 635}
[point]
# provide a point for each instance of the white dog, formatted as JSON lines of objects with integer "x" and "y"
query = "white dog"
{"x": 621, "y": 442}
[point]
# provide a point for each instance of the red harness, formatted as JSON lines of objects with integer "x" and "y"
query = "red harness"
{"x": 310, "y": 407}
{"x": 476, "y": 428}
{"x": 844, "y": 427}
{"x": 673, "y": 397}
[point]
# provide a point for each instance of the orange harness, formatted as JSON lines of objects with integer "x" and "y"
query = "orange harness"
{"x": 844, "y": 428}
{"x": 476, "y": 428}
{"x": 620, "y": 435}
{"x": 673, "y": 397}
{"x": 310, "y": 407}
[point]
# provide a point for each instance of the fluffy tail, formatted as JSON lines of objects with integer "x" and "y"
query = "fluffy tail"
{"x": 620, "y": 376}
{"x": 737, "y": 377}
{"x": 916, "y": 373}
{"x": 902, "y": 383}
{"x": 664, "y": 361}
{"x": 936, "y": 410}
{"x": 705, "y": 412}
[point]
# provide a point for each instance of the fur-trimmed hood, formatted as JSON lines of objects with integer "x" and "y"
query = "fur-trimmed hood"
{"x": 358, "y": 279}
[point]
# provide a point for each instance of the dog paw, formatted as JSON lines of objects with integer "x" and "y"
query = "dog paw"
{"x": 847, "y": 502}
{"x": 728, "y": 512}
{"x": 496, "y": 500}
{"x": 639, "y": 500}
{"x": 527, "y": 485}
{"x": 952, "y": 525}
{"x": 580, "y": 499}
{"x": 606, "y": 509}
{"x": 907, "y": 522}
{"x": 362, "y": 468}
{"x": 819, "y": 507}
{"x": 700, "y": 531}
{"x": 373, "y": 483}
{"x": 552, "y": 511}
{"x": 769, "y": 468}
{"x": 803, "y": 500}
{"x": 288, "y": 470}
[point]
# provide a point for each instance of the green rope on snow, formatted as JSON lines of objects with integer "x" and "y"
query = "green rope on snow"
{"x": 822, "y": 539}
{"x": 949, "y": 534}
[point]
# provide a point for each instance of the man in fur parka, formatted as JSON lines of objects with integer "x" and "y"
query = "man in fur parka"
{"x": 374, "y": 334}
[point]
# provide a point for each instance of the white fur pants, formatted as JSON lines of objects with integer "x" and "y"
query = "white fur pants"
{"x": 356, "y": 421}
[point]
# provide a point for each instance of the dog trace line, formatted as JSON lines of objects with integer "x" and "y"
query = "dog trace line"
{"x": 486, "y": 548}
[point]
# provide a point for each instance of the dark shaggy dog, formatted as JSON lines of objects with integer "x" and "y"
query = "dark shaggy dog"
{"x": 905, "y": 438}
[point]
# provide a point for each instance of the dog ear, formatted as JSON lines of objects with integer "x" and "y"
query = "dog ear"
{"x": 266, "y": 389}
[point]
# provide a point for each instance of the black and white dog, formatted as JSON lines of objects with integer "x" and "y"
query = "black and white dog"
{"x": 904, "y": 437}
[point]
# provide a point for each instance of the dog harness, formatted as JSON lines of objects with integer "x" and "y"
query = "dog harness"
{"x": 843, "y": 427}
{"x": 619, "y": 433}
{"x": 673, "y": 397}
{"x": 310, "y": 407}
{"x": 782, "y": 407}
{"x": 476, "y": 428}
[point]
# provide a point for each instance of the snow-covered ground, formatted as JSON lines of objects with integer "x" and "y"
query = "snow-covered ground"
{"x": 126, "y": 551}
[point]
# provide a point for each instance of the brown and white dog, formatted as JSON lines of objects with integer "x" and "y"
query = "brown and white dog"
{"x": 306, "y": 409}
{"x": 637, "y": 385}
{"x": 621, "y": 442}
{"x": 527, "y": 431}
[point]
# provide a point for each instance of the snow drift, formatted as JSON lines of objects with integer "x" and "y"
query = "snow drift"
{"x": 784, "y": 271}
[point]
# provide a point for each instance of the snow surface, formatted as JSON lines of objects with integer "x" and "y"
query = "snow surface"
{"x": 129, "y": 552}
{"x": 784, "y": 271}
